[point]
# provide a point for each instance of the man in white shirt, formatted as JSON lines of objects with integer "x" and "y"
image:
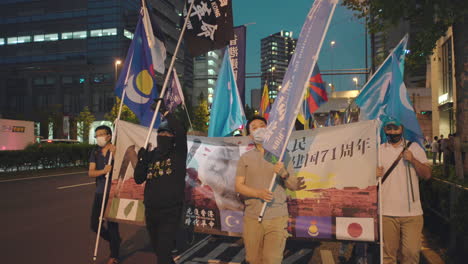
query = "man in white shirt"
{"x": 401, "y": 207}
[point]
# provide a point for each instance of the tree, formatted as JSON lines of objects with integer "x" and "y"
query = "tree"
{"x": 86, "y": 118}
{"x": 201, "y": 115}
{"x": 126, "y": 114}
{"x": 433, "y": 18}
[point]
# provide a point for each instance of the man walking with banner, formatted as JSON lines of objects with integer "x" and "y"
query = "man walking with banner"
{"x": 163, "y": 170}
{"x": 264, "y": 242}
{"x": 402, "y": 163}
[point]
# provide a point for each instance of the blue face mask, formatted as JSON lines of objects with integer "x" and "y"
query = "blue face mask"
{"x": 259, "y": 135}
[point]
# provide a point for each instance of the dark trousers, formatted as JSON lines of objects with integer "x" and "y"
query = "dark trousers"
{"x": 109, "y": 233}
{"x": 434, "y": 158}
{"x": 162, "y": 225}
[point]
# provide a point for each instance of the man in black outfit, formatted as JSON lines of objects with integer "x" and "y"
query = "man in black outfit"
{"x": 164, "y": 171}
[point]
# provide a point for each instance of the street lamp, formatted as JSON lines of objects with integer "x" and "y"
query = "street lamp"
{"x": 116, "y": 65}
{"x": 355, "y": 80}
{"x": 332, "y": 87}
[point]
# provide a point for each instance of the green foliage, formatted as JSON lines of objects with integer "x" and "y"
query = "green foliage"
{"x": 432, "y": 18}
{"x": 126, "y": 114}
{"x": 201, "y": 115}
{"x": 37, "y": 156}
{"x": 86, "y": 118}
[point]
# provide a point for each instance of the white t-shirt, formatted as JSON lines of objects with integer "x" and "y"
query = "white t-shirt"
{"x": 396, "y": 193}
{"x": 435, "y": 146}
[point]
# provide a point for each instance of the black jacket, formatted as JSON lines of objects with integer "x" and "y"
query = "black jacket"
{"x": 165, "y": 173}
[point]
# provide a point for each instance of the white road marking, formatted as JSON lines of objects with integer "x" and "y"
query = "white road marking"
{"x": 39, "y": 177}
{"x": 76, "y": 185}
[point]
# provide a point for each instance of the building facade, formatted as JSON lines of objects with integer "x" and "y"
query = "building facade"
{"x": 205, "y": 73}
{"x": 57, "y": 57}
{"x": 276, "y": 52}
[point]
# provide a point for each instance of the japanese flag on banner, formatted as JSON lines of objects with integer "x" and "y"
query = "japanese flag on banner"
{"x": 355, "y": 228}
{"x": 209, "y": 26}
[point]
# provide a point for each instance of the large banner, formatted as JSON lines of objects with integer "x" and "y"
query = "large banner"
{"x": 337, "y": 164}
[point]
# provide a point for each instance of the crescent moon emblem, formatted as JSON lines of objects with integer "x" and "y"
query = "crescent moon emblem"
{"x": 404, "y": 98}
{"x": 132, "y": 94}
{"x": 227, "y": 221}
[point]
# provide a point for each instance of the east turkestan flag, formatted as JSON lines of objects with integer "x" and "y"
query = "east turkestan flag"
{"x": 227, "y": 112}
{"x": 209, "y": 27}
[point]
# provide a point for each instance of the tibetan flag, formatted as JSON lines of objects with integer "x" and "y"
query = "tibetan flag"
{"x": 265, "y": 103}
{"x": 138, "y": 76}
{"x": 316, "y": 92}
{"x": 227, "y": 112}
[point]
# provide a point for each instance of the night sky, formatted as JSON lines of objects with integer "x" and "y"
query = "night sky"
{"x": 275, "y": 15}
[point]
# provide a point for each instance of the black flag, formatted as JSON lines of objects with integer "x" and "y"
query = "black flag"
{"x": 209, "y": 27}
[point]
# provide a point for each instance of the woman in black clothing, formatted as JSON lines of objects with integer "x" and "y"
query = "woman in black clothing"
{"x": 164, "y": 171}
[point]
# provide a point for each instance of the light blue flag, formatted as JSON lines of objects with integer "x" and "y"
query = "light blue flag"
{"x": 288, "y": 102}
{"x": 385, "y": 96}
{"x": 227, "y": 113}
{"x": 138, "y": 75}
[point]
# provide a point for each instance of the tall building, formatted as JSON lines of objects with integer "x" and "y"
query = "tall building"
{"x": 255, "y": 98}
{"x": 205, "y": 73}
{"x": 276, "y": 52}
{"x": 60, "y": 56}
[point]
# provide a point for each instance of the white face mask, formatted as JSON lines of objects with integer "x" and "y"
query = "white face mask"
{"x": 259, "y": 135}
{"x": 101, "y": 141}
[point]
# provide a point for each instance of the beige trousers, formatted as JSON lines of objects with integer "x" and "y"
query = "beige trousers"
{"x": 402, "y": 234}
{"x": 264, "y": 242}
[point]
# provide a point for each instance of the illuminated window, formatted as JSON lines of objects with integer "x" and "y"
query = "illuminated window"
{"x": 213, "y": 54}
{"x": 2, "y": 41}
{"x": 80, "y": 34}
{"x": 51, "y": 37}
{"x": 12, "y": 40}
{"x": 210, "y": 90}
{"x": 210, "y": 98}
{"x": 211, "y": 63}
{"x": 109, "y": 32}
{"x": 38, "y": 38}
{"x": 128, "y": 34}
{"x": 211, "y": 72}
{"x": 95, "y": 33}
{"x": 211, "y": 81}
{"x": 67, "y": 35}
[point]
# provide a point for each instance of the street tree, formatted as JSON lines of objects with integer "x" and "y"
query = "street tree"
{"x": 86, "y": 118}
{"x": 126, "y": 115}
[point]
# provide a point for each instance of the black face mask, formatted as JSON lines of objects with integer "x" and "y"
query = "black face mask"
{"x": 393, "y": 138}
{"x": 165, "y": 143}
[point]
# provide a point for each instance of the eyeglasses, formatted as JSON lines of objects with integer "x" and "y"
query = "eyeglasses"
{"x": 392, "y": 127}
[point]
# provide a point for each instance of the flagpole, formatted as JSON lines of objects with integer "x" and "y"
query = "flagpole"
{"x": 272, "y": 182}
{"x": 188, "y": 116}
{"x": 379, "y": 161}
{"x": 153, "y": 120}
{"x": 114, "y": 135}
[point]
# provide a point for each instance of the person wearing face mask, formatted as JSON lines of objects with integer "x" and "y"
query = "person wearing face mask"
{"x": 265, "y": 241}
{"x": 98, "y": 169}
{"x": 402, "y": 162}
{"x": 163, "y": 169}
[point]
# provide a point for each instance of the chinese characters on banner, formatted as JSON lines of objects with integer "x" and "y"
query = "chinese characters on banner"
{"x": 209, "y": 26}
{"x": 237, "y": 53}
{"x": 337, "y": 201}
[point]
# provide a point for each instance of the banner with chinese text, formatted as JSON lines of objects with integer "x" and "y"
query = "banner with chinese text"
{"x": 337, "y": 201}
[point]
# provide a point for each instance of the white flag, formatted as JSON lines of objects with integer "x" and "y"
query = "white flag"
{"x": 355, "y": 228}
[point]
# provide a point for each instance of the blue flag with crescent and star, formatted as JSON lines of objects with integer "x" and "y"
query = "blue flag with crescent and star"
{"x": 385, "y": 96}
{"x": 227, "y": 113}
{"x": 138, "y": 76}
